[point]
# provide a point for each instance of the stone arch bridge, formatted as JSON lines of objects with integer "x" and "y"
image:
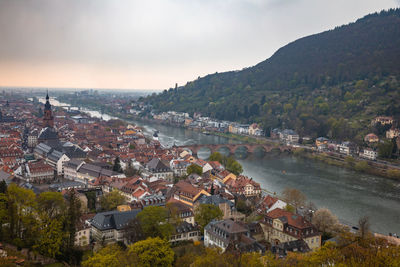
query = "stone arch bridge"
{"x": 232, "y": 148}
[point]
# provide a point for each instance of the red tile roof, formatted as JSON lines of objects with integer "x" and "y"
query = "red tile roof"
{"x": 295, "y": 220}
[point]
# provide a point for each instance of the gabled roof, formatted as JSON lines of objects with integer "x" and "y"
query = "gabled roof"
{"x": 156, "y": 165}
{"x": 214, "y": 200}
{"x": 290, "y": 218}
{"x": 227, "y": 226}
{"x": 55, "y": 155}
{"x": 43, "y": 148}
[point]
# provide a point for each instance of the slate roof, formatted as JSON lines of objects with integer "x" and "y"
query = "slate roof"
{"x": 73, "y": 163}
{"x": 294, "y": 246}
{"x": 215, "y": 200}
{"x": 71, "y": 150}
{"x": 4, "y": 176}
{"x": 48, "y": 133}
{"x": 43, "y": 149}
{"x": 227, "y": 226}
{"x": 156, "y": 165}
{"x": 55, "y": 155}
{"x": 113, "y": 219}
{"x": 186, "y": 227}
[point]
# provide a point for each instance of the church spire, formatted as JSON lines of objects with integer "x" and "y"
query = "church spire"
{"x": 48, "y": 119}
{"x": 47, "y": 106}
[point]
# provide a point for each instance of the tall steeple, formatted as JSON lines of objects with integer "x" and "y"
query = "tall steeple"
{"x": 47, "y": 106}
{"x": 48, "y": 119}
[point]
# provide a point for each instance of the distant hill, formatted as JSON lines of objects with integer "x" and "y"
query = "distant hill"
{"x": 329, "y": 83}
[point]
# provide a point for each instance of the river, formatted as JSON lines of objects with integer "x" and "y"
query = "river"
{"x": 348, "y": 194}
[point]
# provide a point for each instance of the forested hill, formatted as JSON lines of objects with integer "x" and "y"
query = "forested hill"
{"x": 350, "y": 72}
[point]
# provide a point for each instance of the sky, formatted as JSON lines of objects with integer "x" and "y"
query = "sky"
{"x": 153, "y": 44}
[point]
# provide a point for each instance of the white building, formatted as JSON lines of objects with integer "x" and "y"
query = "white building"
{"x": 369, "y": 154}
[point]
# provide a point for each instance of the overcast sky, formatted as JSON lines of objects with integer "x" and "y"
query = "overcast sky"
{"x": 153, "y": 44}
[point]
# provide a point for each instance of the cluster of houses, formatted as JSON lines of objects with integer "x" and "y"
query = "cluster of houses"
{"x": 370, "y": 148}
{"x": 70, "y": 153}
{"x": 208, "y": 124}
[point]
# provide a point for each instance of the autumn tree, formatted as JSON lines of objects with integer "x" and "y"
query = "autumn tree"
{"x": 154, "y": 223}
{"x": 110, "y": 256}
{"x": 21, "y": 212}
{"x": 51, "y": 237}
{"x": 324, "y": 220}
{"x": 214, "y": 257}
{"x": 294, "y": 197}
{"x": 205, "y": 213}
{"x": 72, "y": 215}
{"x": 112, "y": 200}
{"x": 173, "y": 214}
{"x": 151, "y": 252}
{"x": 363, "y": 227}
{"x": 51, "y": 217}
{"x": 51, "y": 204}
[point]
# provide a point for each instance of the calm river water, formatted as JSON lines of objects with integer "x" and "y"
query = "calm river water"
{"x": 348, "y": 194}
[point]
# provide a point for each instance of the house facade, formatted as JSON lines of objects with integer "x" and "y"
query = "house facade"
{"x": 110, "y": 226}
{"x": 160, "y": 170}
{"x": 281, "y": 226}
{"x": 369, "y": 153}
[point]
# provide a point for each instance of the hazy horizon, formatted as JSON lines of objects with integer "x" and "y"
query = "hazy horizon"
{"x": 123, "y": 45}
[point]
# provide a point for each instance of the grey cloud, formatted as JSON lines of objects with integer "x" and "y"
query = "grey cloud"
{"x": 200, "y": 35}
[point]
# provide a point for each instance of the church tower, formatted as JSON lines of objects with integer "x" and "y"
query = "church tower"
{"x": 48, "y": 119}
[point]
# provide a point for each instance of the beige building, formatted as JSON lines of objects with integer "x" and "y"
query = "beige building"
{"x": 281, "y": 226}
{"x": 392, "y": 133}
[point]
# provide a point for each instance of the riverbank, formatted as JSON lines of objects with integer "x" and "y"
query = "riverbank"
{"x": 358, "y": 165}
{"x": 351, "y": 163}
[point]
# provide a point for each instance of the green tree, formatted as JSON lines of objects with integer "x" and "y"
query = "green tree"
{"x": 385, "y": 149}
{"x": 109, "y": 256}
{"x": 4, "y": 218}
{"x": 117, "y": 165}
{"x": 154, "y": 222}
{"x": 91, "y": 197}
{"x": 205, "y": 213}
{"x": 3, "y": 187}
{"x": 233, "y": 166}
{"x": 22, "y": 219}
{"x": 51, "y": 204}
{"x": 194, "y": 169}
{"x": 51, "y": 237}
{"x": 151, "y": 252}
{"x": 112, "y": 200}
{"x": 216, "y": 156}
{"x": 214, "y": 258}
{"x": 242, "y": 207}
{"x": 73, "y": 213}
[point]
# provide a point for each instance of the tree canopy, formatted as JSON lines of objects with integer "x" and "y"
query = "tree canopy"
{"x": 194, "y": 169}
{"x": 112, "y": 200}
{"x": 205, "y": 213}
{"x": 153, "y": 220}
